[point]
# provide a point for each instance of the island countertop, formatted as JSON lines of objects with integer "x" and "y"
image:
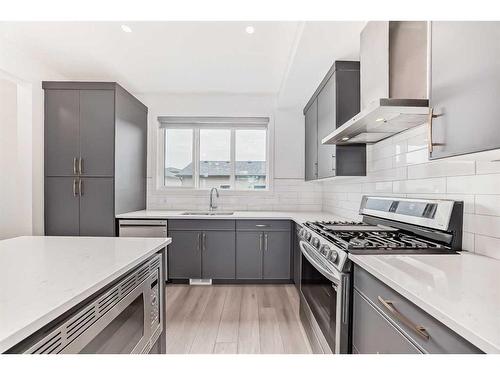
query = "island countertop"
{"x": 43, "y": 277}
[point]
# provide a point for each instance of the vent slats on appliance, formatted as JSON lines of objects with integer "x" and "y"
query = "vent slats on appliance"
{"x": 48, "y": 344}
{"x": 86, "y": 317}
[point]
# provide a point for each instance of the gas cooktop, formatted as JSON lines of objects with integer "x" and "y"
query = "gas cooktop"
{"x": 364, "y": 238}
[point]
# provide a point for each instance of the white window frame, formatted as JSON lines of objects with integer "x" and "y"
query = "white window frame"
{"x": 197, "y": 123}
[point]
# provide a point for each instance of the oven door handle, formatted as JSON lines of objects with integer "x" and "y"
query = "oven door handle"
{"x": 328, "y": 273}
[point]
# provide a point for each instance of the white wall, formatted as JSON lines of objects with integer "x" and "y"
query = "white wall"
{"x": 399, "y": 166}
{"x": 288, "y": 134}
{"x": 28, "y": 74}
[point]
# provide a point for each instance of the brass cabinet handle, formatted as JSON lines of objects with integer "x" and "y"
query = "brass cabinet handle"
{"x": 74, "y": 166}
{"x": 430, "y": 142}
{"x": 74, "y": 187}
{"x": 80, "y": 187}
{"x": 419, "y": 330}
{"x": 80, "y": 166}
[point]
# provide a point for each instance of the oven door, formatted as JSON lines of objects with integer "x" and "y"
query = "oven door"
{"x": 325, "y": 294}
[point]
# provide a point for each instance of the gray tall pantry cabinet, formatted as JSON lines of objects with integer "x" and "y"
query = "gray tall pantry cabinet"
{"x": 335, "y": 101}
{"x": 95, "y": 157}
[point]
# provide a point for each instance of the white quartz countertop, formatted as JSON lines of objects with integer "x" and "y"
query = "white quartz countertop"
{"x": 43, "y": 277}
{"x": 461, "y": 291}
{"x": 298, "y": 217}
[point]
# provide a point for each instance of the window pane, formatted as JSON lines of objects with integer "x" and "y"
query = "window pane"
{"x": 215, "y": 158}
{"x": 179, "y": 157}
{"x": 250, "y": 159}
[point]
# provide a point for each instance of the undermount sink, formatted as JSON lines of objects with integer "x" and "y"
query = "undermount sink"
{"x": 208, "y": 213}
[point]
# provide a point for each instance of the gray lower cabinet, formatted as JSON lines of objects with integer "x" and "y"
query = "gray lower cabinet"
{"x": 465, "y": 86}
{"x": 263, "y": 255}
{"x": 386, "y": 322}
{"x": 276, "y": 255}
{"x": 95, "y": 156}
{"x": 61, "y": 206}
{"x": 249, "y": 255}
{"x": 373, "y": 334}
{"x": 218, "y": 255}
{"x": 184, "y": 255}
{"x": 96, "y": 206}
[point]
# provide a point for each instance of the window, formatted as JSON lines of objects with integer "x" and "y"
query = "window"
{"x": 226, "y": 153}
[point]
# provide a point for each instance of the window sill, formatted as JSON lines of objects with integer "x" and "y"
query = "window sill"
{"x": 205, "y": 192}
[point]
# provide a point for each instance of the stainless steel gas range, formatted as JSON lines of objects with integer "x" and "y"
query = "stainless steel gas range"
{"x": 389, "y": 226}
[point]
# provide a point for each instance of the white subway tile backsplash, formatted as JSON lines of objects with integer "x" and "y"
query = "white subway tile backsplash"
{"x": 474, "y": 181}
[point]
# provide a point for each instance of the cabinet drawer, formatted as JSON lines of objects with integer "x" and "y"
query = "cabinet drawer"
{"x": 373, "y": 334}
{"x": 441, "y": 339}
{"x": 201, "y": 224}
{"x": 263, "y": 225}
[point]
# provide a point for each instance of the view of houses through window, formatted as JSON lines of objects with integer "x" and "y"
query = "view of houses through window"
{"x": 225, "y": 158}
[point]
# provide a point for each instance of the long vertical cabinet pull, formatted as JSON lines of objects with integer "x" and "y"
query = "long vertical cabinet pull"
{"x": 75, "y": 171}
{"x": 74, "y": 187}
{"x": 204, "y": 236}
{"x": 199, "y": 241}
{"x": 265, "y": 241}
{"x": 80, "y": 166}
{"x": 260, "y": 242}
{"x": 80, "y": 187}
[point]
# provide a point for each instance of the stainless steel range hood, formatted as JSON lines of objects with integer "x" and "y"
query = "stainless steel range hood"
{"x": 381, "y": 119}
{"x": 394, "y": 83}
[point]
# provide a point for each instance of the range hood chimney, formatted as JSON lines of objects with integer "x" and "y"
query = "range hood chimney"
{"x": 394, "y": 82}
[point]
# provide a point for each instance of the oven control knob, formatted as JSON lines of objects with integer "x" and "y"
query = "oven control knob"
{"x": 332, "y": 257}
{"x": 315, "y": 242}
{"x": 307, "y": 236}
{"x": 301, "y": 232}
{"x": 325, "y": 250}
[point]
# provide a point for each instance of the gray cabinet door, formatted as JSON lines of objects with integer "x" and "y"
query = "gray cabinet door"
{"x": 61, "y": 207}
{"x": 249, "y": 247}
{"x": 96, "y": 207}
{"x": 218, "y": 257}
{"x": 465, "y": 86}
{"x": 373, "y": 334}
{"x": 277, "y": 255}
{"x": 61, "y": 132}
{"x": 311, "y": 142}
{"x": 297, "y": 258}
{"x": 326, "y": 124}
{"x": 97, "y": 132}
{"x": 184, "y": 255}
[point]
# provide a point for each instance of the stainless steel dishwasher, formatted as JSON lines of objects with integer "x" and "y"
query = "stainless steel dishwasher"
{"x": 142, "y": 228}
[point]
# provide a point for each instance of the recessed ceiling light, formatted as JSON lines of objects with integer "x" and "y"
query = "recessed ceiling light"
{"x": 126, "y": 29}
{"x": 345, "y": 138}
{"x": 250, "y": 29}
{"x": 380, "y": 119}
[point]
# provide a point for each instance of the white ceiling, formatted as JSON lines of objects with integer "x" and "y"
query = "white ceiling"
{"x": 288, "y": 58}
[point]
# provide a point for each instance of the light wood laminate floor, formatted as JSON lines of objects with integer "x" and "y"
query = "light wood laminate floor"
{"x": 228, "y": 319}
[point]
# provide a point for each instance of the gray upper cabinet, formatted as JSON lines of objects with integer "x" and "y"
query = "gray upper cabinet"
{"x": 218, "y": 255}
{"x": 326, "y": 124}
{"x": 84, "y": 128}
{"x": 62, "y": 148}
{"x": 97, "y": 132}
{"x": 465, "y": 86}
{"x": 277, "y": 255}
{"x": 311, "y": 139}
{"x": 335, "y": 101}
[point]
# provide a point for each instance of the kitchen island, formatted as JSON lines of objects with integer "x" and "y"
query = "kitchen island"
{"x": 47, "y": 281}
